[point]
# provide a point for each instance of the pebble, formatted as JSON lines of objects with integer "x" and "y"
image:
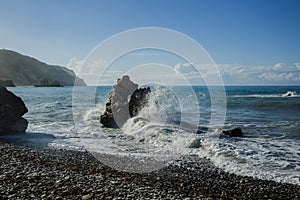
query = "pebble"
{"x": 86, "y": 197}
{"x": 42, "y": 173}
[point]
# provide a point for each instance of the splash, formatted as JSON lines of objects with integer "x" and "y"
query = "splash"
{"x": 155, "y": 133}
{"x": 290, "y": 94}
{"x": 157, "y": 126}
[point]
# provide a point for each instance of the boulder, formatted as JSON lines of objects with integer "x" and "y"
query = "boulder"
{"x": 125, "y": 101}
{"x": 12, "y": 108}
{"x": 7, "y": 83}
{"x": 235, "y": 132}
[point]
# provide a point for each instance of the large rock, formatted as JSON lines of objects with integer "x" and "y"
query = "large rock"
{"x": 12, "y": 108}
{"x": 125, "y": 101}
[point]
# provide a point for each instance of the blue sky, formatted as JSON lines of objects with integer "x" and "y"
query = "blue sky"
{"x": 257, "y": 38}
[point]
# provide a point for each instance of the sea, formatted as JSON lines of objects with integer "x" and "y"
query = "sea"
{"x": 176, "y": 122}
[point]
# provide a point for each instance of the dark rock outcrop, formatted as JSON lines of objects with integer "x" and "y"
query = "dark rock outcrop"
{"x": 7, "y": 83}
{"x": 235, "y": 132}
{"x": 12, "y": 108}
{"x": 125, "y": 101}
{"x": 137, "y": 100}
{"x": 46, "y": 83}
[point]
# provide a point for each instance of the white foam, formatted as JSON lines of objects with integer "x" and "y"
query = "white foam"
{"x": 290, "y": 94}
{"x": 264, "y": 159}
{"x": 287, "y": 94}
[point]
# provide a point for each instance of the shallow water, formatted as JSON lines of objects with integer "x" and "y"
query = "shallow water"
{"x": 172, "y": 120}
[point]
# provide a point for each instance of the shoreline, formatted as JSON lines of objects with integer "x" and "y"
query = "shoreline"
{"x": 29, "y": 172}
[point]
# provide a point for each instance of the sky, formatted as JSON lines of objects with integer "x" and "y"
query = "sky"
{"x": 251, "y": 41}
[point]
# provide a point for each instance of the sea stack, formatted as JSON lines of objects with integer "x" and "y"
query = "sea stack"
{"x": 12, "y": 108}
{"x": 125, "y": 101}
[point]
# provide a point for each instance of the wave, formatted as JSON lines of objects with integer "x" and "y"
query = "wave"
{"x": 265, "y": 104}
{"x": 261, "y": 158}
{"x": 277, "y": 105}
{"x": 157, "y": 126}
{"x": 290, "y": 94}
{"x": 285, "y": 95}
{"x": 158, "y": 132}
{"x": 162, "y": 129}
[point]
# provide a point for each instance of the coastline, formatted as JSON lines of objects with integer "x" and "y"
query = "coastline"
{"x": 42, "y": 173}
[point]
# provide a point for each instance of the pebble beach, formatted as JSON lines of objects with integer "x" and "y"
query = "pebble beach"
{"x": 29, "y": 172}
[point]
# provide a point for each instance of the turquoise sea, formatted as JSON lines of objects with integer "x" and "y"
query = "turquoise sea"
{"x": 175, "y": 117}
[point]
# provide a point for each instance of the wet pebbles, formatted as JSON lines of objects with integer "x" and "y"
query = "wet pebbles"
{"x": 40, "y": 173}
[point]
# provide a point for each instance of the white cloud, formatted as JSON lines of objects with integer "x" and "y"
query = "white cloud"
{"x": 185, "y": 68}
{"x": 280, "y": 73}
{"x": 261, "y": 68}
{"x": 235, "y": 74}
{"x": 75, "y": 64}
{"x": 192, "y": 70}
{"x": 297, "y": 78}
{"x": 297, "y": 65}
{"x": 90, "y": 71}
{"x": 231, "y": 70}
{"x": 279, "y": 66}
{"x": 79, "y": 66}
{"x": 277, "y": 77}
{"x": 199, "y": 73}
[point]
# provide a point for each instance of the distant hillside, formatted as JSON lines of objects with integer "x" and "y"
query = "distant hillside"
{"x": 27, "y": 71}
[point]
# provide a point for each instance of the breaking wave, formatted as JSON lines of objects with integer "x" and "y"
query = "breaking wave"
{"x": 287, "y": 94}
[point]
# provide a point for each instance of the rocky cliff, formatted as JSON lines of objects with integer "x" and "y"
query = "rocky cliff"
{"x": 27, "y": 71}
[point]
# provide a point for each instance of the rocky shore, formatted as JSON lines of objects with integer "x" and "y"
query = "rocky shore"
{"x": 42, "y": 173}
